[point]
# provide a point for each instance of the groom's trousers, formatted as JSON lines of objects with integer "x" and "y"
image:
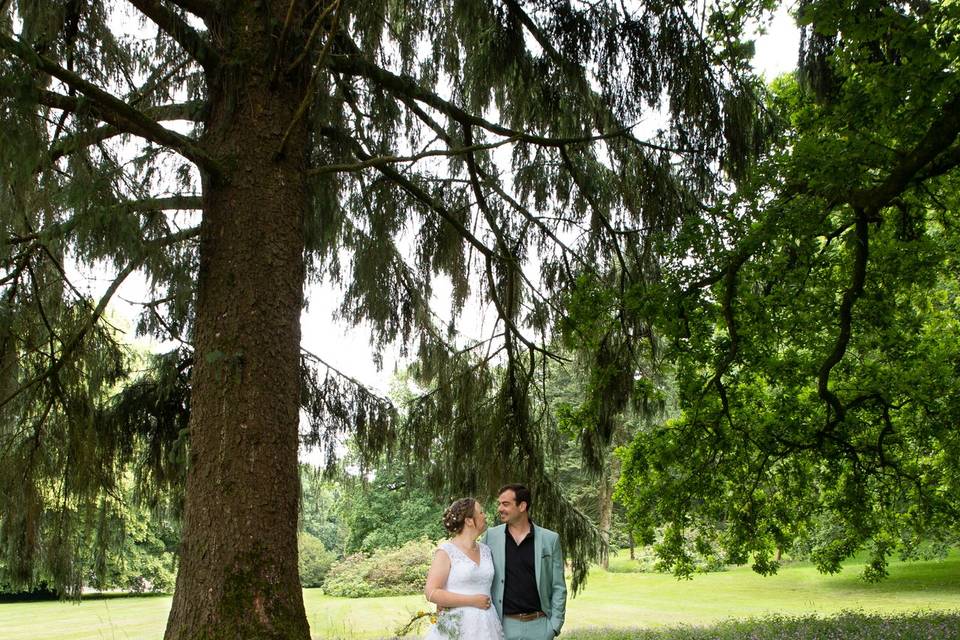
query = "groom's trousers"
{"x": 539, "y": 629}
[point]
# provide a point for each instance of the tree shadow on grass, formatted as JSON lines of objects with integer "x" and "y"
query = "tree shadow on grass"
{"x": 931, "y": 576}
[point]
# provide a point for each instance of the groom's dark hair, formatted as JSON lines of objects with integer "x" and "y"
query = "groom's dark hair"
{"x": 521, "y": 493}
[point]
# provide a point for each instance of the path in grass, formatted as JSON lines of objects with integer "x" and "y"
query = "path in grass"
{"x": 609, "y": 600}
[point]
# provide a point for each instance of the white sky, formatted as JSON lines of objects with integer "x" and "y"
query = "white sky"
{"x": 348, "y": 349}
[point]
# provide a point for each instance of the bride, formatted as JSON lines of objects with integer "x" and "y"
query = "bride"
{"x": 459, "y": 578}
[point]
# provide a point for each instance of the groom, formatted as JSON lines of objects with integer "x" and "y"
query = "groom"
{"x": 528, "y": 587}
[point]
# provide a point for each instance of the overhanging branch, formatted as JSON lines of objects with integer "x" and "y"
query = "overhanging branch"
{"x": 938, "y": 139}
{"x": 177, "y": 28}
{"x": 404, "y": 85}
{"x": 386, "y": 160}
{"x": 200, "y": 8}
{"x": 407, "y": 185}
{"x": 97, "y": 312}
{"x": 83, "y": 139}
{"x": 111, "y": 109}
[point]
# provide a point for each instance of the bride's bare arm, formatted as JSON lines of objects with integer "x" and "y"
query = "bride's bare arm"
{"x": 437, "y": 580}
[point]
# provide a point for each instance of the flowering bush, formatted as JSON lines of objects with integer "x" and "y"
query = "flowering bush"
{"x": 385, "y": 572}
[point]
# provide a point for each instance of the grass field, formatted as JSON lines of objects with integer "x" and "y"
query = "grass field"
{"x": 610, "y": 600}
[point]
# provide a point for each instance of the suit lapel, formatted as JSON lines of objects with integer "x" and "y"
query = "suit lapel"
{"x": 537, "y": 553}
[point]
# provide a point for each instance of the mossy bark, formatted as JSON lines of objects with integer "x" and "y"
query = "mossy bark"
{"x": 238, "y": 560}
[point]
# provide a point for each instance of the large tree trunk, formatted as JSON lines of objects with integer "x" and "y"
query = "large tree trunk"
{"x": 238, "y": 560}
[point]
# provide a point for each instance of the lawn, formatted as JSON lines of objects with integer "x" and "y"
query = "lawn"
{"x": 610, "y": 600}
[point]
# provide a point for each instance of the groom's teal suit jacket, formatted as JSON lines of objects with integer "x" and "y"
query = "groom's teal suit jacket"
{"x": 548, "y": 562}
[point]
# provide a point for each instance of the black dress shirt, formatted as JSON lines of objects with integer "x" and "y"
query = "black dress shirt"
{"x": 520, "y": 593}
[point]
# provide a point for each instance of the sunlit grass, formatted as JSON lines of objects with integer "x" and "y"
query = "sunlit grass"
{"x": 610, "y": 600}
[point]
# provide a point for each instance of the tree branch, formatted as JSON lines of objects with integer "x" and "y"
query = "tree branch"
{"x": 938, "y": 139}
{"x": 598, "y": 212}
{"x": 507, "y": 313}
{"x": 308, "y": 96}
{"x": 77, "y": 339}
{"x": 385, "y": 160}
{"x": 201, "y": 8}
{"x": 407, "y": 185}
{"x": 850, "y": 296}
{"x": 333, "y": 6}
{"x": 83, "y": 139}
{"x": 177, "y": 28}
{"x": 163, "y": 204}
{"x": 111, "y": 109}
{"x": 356, "y": 66}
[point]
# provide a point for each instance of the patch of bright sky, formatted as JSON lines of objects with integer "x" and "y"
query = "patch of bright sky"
{"x": 348, "y": 348}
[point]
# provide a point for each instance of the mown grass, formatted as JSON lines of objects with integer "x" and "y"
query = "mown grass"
{"x": 614, "y": 606}
{"x": 843, "y": 626}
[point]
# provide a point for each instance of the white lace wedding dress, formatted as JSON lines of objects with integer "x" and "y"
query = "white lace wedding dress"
{"x": 467, "y": 577}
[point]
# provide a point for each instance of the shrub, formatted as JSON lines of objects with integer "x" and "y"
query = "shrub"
{"x": 645, "y": 561}
{"x": 314, "y": 560}
{"x": 385, "y": 572}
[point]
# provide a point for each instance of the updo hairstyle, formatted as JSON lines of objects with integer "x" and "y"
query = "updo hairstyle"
{"x": 457, "y": 513}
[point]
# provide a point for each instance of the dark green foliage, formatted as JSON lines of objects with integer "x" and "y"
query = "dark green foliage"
{"x": 314, "y": 560}
{"x": 813, "y": 315}
{"x": 408, "y": 108}
{"x": 387, "y": 513}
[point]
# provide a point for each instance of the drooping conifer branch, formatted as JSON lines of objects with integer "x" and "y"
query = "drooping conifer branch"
{"x": 177, "y": 28}
{"x": 309, "y": 95}
{"x": 282, "y": 41}
{"x": 495, "y": 185}
{"x": 355, "y": 66}
{"x": 205, "y": 9}
{"x": 407, "y": 185}
{"x": 111, "y": 109}
{"x": 385, "y": 160}
{"x": 77, "y": 339}
{"x": 507, "y": 309}
{"x": 315, "y": 32}
{"x": 180, "y": 203}
{"x": 81, "y": 140}
{"x": 597, "y": 212}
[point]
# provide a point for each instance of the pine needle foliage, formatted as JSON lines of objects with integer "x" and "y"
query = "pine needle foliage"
{"x": 497, "y": 146}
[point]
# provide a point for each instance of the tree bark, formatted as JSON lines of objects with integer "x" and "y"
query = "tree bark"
{"x": 238, "y": 573}
{"x": 606, "y": 512}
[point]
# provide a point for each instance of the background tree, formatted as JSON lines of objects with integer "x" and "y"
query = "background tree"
{"x": 324, "y": 139}
{"x": 320, "y": 508}
{"x": 577, "y": 414}
{"x": 388, "y": 511}
{"x": 813, "y": 315}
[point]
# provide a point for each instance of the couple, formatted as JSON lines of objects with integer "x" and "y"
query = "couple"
{"x": 518, "y": 568}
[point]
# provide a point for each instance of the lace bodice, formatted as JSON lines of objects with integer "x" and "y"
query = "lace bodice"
{"x": 470, "y": 578}
{"x": 466, "y": 576}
